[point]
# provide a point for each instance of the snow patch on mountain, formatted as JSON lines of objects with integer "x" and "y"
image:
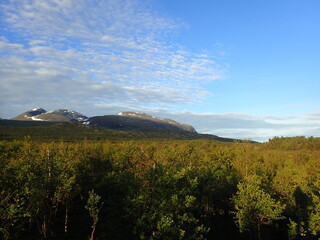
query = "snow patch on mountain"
{"x": 36, "y": 109}
{"x": 60, "y": 115}
{"x": 36, "y": 119}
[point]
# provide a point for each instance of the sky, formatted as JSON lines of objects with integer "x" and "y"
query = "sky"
{"x": 240, "y": 69}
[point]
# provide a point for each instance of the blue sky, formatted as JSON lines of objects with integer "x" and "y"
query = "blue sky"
{"x": 242, "y": 69}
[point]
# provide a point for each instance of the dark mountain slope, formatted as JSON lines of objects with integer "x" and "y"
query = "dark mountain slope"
{"x": 138, "y": 122}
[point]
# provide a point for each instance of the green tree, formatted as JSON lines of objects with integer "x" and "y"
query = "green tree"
{"x": 254, "y": 206}
{"x": 13, "y": 213}
{"x": 94, "y": 206}
{"x": 166, "y": 205}
{"x": 314, "y": 224}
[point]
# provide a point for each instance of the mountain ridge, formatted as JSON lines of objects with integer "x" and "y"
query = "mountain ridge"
{"x": 38, "y": 122}
{"x": 137, "y": 121}
{"x": 121, "y": 121}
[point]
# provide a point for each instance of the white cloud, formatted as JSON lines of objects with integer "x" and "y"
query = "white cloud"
{"x": 115, "y": 51}
{"x": 314, "y": 116}
{"x": 11, "y": 48}
{"x": 246, "y": 126}
{"x": 35, "y": 81}
{"x": 85, "y": 19}
{"x": 106, "y": 56}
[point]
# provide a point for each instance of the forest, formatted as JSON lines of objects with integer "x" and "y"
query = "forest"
{"x": 160, "y": 189}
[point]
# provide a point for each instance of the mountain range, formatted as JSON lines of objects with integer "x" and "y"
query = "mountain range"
{"x": 122, "y": 121}
{"x": 37, "y": 122}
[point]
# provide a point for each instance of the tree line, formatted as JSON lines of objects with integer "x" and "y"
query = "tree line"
{"x": 160, "y": 189}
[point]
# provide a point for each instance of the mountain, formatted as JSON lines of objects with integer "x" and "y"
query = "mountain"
{"x": 70, "y": 125}
{"x": 60, "y": 115}
{"x": 123, "y": 121}
{"x": 137, "y": 121}
{"x": 63, "y": 115}
{"x": 73, "y": 132}
{"x": 30, "y": 115}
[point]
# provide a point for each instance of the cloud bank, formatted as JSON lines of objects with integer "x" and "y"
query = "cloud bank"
{"x": 100, "y": 53}
{"x": 249, "y": 126}
{"x": 106, "y": 56}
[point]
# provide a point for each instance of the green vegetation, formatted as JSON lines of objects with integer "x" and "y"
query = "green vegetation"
{"x": 94, "y": 207}
{"x": 70, "y": 132}
{"x": 160, "y": 189}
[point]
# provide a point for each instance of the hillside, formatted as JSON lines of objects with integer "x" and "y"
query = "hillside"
{"x": 65, "y": 131}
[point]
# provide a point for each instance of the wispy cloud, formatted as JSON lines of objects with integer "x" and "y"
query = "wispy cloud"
{"x": 248, "y": 126}
{"x": 101, "y": 51}
{"x": 104, "y": 56}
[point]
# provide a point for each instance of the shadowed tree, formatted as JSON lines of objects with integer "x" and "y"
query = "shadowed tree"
{"x": 94, "y": 206}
